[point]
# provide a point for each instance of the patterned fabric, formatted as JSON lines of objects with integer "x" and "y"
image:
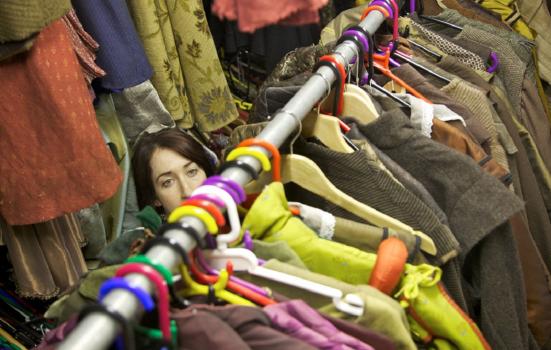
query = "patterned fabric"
{"x": 85, "y": 47}
{"x": 19, "y": 19}
{"x": 511, "y": 68}
{"x": 187, "y": 72}
{"x": 469, "y": 58}
{"x": 57, "y": 161}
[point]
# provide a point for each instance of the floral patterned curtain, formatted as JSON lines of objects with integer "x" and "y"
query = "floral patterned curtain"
{"x": 187, "y": 72}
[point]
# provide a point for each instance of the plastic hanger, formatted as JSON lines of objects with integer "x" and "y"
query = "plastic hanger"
{"x": 327, "y": 129}
{"x": 231, "y": 211}
{"x": 381, "y": 62}
{"x": 199, "y": 213}
{"x": 247, "y": 151}
{"x": 305, "y": 173}
{"x": 239, "y": 288}
{"x": 245, "y": 260}
{"x": 194, "y": 288}
{"x": 276, "y": 157}
{"x": 161, "y": 291}
{"x": 356, "y": 102}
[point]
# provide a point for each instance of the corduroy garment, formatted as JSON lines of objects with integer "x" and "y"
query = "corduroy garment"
{"x": 478, "y": 208}
{"x": 357, "y": 177}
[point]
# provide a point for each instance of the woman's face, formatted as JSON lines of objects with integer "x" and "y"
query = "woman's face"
{"x": 174, "y": 178}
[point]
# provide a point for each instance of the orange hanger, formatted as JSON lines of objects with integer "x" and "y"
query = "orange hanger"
{"x": 232, "y": 286}
{"x": 341, "y": 80}
{"x": 382, "y": 64}
{"x": 381, "y": 61}
{"x": 276, "y": 157}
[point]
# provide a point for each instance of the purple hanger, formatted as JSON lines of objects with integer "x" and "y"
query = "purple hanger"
{"x": 385, "y": 5}
{"x": 230, "y": 183}
{"x": 494, "y": 62}
{"x": 225, "y": 187}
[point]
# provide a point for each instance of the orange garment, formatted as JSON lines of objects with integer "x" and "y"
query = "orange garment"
{"x": 255, "y": 14}
{"x": 53, "y": 159}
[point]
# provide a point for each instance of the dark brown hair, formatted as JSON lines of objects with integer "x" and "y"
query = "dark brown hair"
{"x": 173, "y": 139}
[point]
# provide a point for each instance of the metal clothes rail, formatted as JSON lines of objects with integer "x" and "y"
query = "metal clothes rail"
{"x": 97, "y": 331}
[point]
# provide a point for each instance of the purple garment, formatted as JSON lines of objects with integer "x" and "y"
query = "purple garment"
{"x": 55, "y": 336}
{"x": 300, "y": 321}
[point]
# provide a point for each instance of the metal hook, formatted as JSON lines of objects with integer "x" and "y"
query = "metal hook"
{"x": 299, "y": 126}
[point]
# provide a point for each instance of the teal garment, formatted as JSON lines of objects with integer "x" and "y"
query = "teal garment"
{"x": 270, "y": 220}
{"x": 119, "y": 249}
{"x": 150, "y": 218}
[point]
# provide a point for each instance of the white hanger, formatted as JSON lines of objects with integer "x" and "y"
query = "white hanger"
{"x": 245, "y": 260}
{"x": 231, "y": 209}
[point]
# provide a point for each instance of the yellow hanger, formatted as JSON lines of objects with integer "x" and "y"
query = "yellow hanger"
{"x": 197, "y": 212}
{"x": 305, "y": 173}
{"x": 194, "y": 288}
{"x": 247, "y": 151}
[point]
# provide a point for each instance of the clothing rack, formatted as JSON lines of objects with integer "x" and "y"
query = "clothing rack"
{"x": 98, "y": 331}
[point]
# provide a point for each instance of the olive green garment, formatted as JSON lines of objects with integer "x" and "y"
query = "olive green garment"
{"x": 187, "y": 72}
{"x": 381, "y": 313}
{"x": 19, "y": 19}
{"x": 85, "y": 294}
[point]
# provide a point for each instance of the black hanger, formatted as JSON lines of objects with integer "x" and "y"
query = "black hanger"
{"x": 421, "y": 67}
{"x": 435, "y": 20}
{"x": 389, "y": 94}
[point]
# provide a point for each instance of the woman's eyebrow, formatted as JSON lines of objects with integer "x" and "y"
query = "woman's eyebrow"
{"x": 164, "y": 174}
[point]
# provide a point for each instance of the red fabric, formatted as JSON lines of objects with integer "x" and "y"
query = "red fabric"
{"x": 85, "y": 47}
{"x": 53, "y": 159}
{"x": 255, "y": 14}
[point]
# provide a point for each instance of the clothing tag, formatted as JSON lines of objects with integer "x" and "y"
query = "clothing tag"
{"x": 394, "y": 87}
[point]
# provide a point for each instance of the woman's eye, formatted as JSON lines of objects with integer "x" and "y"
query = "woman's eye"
{"x": 192, "y": 172}
{"x": 167, "y": 183}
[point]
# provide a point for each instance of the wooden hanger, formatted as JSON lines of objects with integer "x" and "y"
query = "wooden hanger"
{"x": 305, "y": 173}
{"x": 325, "y": 128}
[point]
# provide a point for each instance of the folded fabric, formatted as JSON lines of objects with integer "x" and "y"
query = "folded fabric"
{"x": 231, "y": 327}
{"x": 299, "y": 320}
